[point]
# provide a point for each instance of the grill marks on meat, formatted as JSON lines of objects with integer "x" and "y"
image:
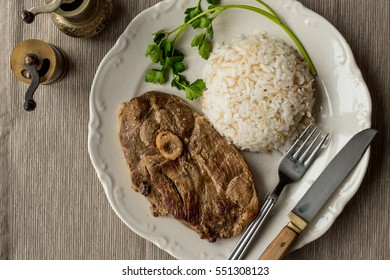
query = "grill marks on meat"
{"x": 184, "y": 167}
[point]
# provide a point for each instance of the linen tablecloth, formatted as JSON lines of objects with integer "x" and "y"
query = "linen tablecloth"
{"x": 52, "y": 205}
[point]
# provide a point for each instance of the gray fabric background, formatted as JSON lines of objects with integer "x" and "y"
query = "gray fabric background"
{"x": 52, "y": 205}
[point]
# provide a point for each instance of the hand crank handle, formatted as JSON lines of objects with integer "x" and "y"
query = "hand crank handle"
{"x": 28, "y": 16}
{"x": 31, "y": 63}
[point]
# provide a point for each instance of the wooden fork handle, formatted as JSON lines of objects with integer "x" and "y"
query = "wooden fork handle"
{"x": 280, "y": 245}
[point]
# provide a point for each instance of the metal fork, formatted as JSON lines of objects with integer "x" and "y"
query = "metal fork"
{"x": 294, "y": 164}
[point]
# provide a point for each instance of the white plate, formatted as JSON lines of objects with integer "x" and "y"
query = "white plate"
{"x": 343, "y": 108}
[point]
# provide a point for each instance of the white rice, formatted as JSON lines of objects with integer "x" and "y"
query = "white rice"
{"x": 259, "y": 92}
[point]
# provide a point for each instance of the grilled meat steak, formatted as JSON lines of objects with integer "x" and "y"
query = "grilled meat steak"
{"x": 185, "y": 168}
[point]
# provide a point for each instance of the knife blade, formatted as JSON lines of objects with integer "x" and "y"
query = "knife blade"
{"x": 318, "y": 193}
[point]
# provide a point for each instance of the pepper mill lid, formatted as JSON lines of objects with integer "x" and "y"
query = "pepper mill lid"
{"x": 36, "y": 62}
{"x": 76, "y": 18}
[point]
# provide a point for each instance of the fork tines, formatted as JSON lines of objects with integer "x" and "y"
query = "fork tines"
{"x": 308, "y": 144}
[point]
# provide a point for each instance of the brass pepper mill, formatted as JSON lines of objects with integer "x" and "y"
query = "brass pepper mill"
{"x": 35, "y": 62}
{"x": 76, "y": 18}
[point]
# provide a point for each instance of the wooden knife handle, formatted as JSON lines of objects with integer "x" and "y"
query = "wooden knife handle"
{"x": 280, "y": 245}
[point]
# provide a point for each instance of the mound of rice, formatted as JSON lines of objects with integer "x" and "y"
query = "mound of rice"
{"x": 259, "y": 92}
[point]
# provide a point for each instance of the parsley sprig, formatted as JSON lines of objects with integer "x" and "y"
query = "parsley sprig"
{"x": 164, "y": 52}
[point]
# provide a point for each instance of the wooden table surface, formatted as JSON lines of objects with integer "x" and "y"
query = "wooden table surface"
{"x": 52, "y": 205}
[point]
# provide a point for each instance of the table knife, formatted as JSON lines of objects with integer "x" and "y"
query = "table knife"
{"x": 318, "y": 193}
